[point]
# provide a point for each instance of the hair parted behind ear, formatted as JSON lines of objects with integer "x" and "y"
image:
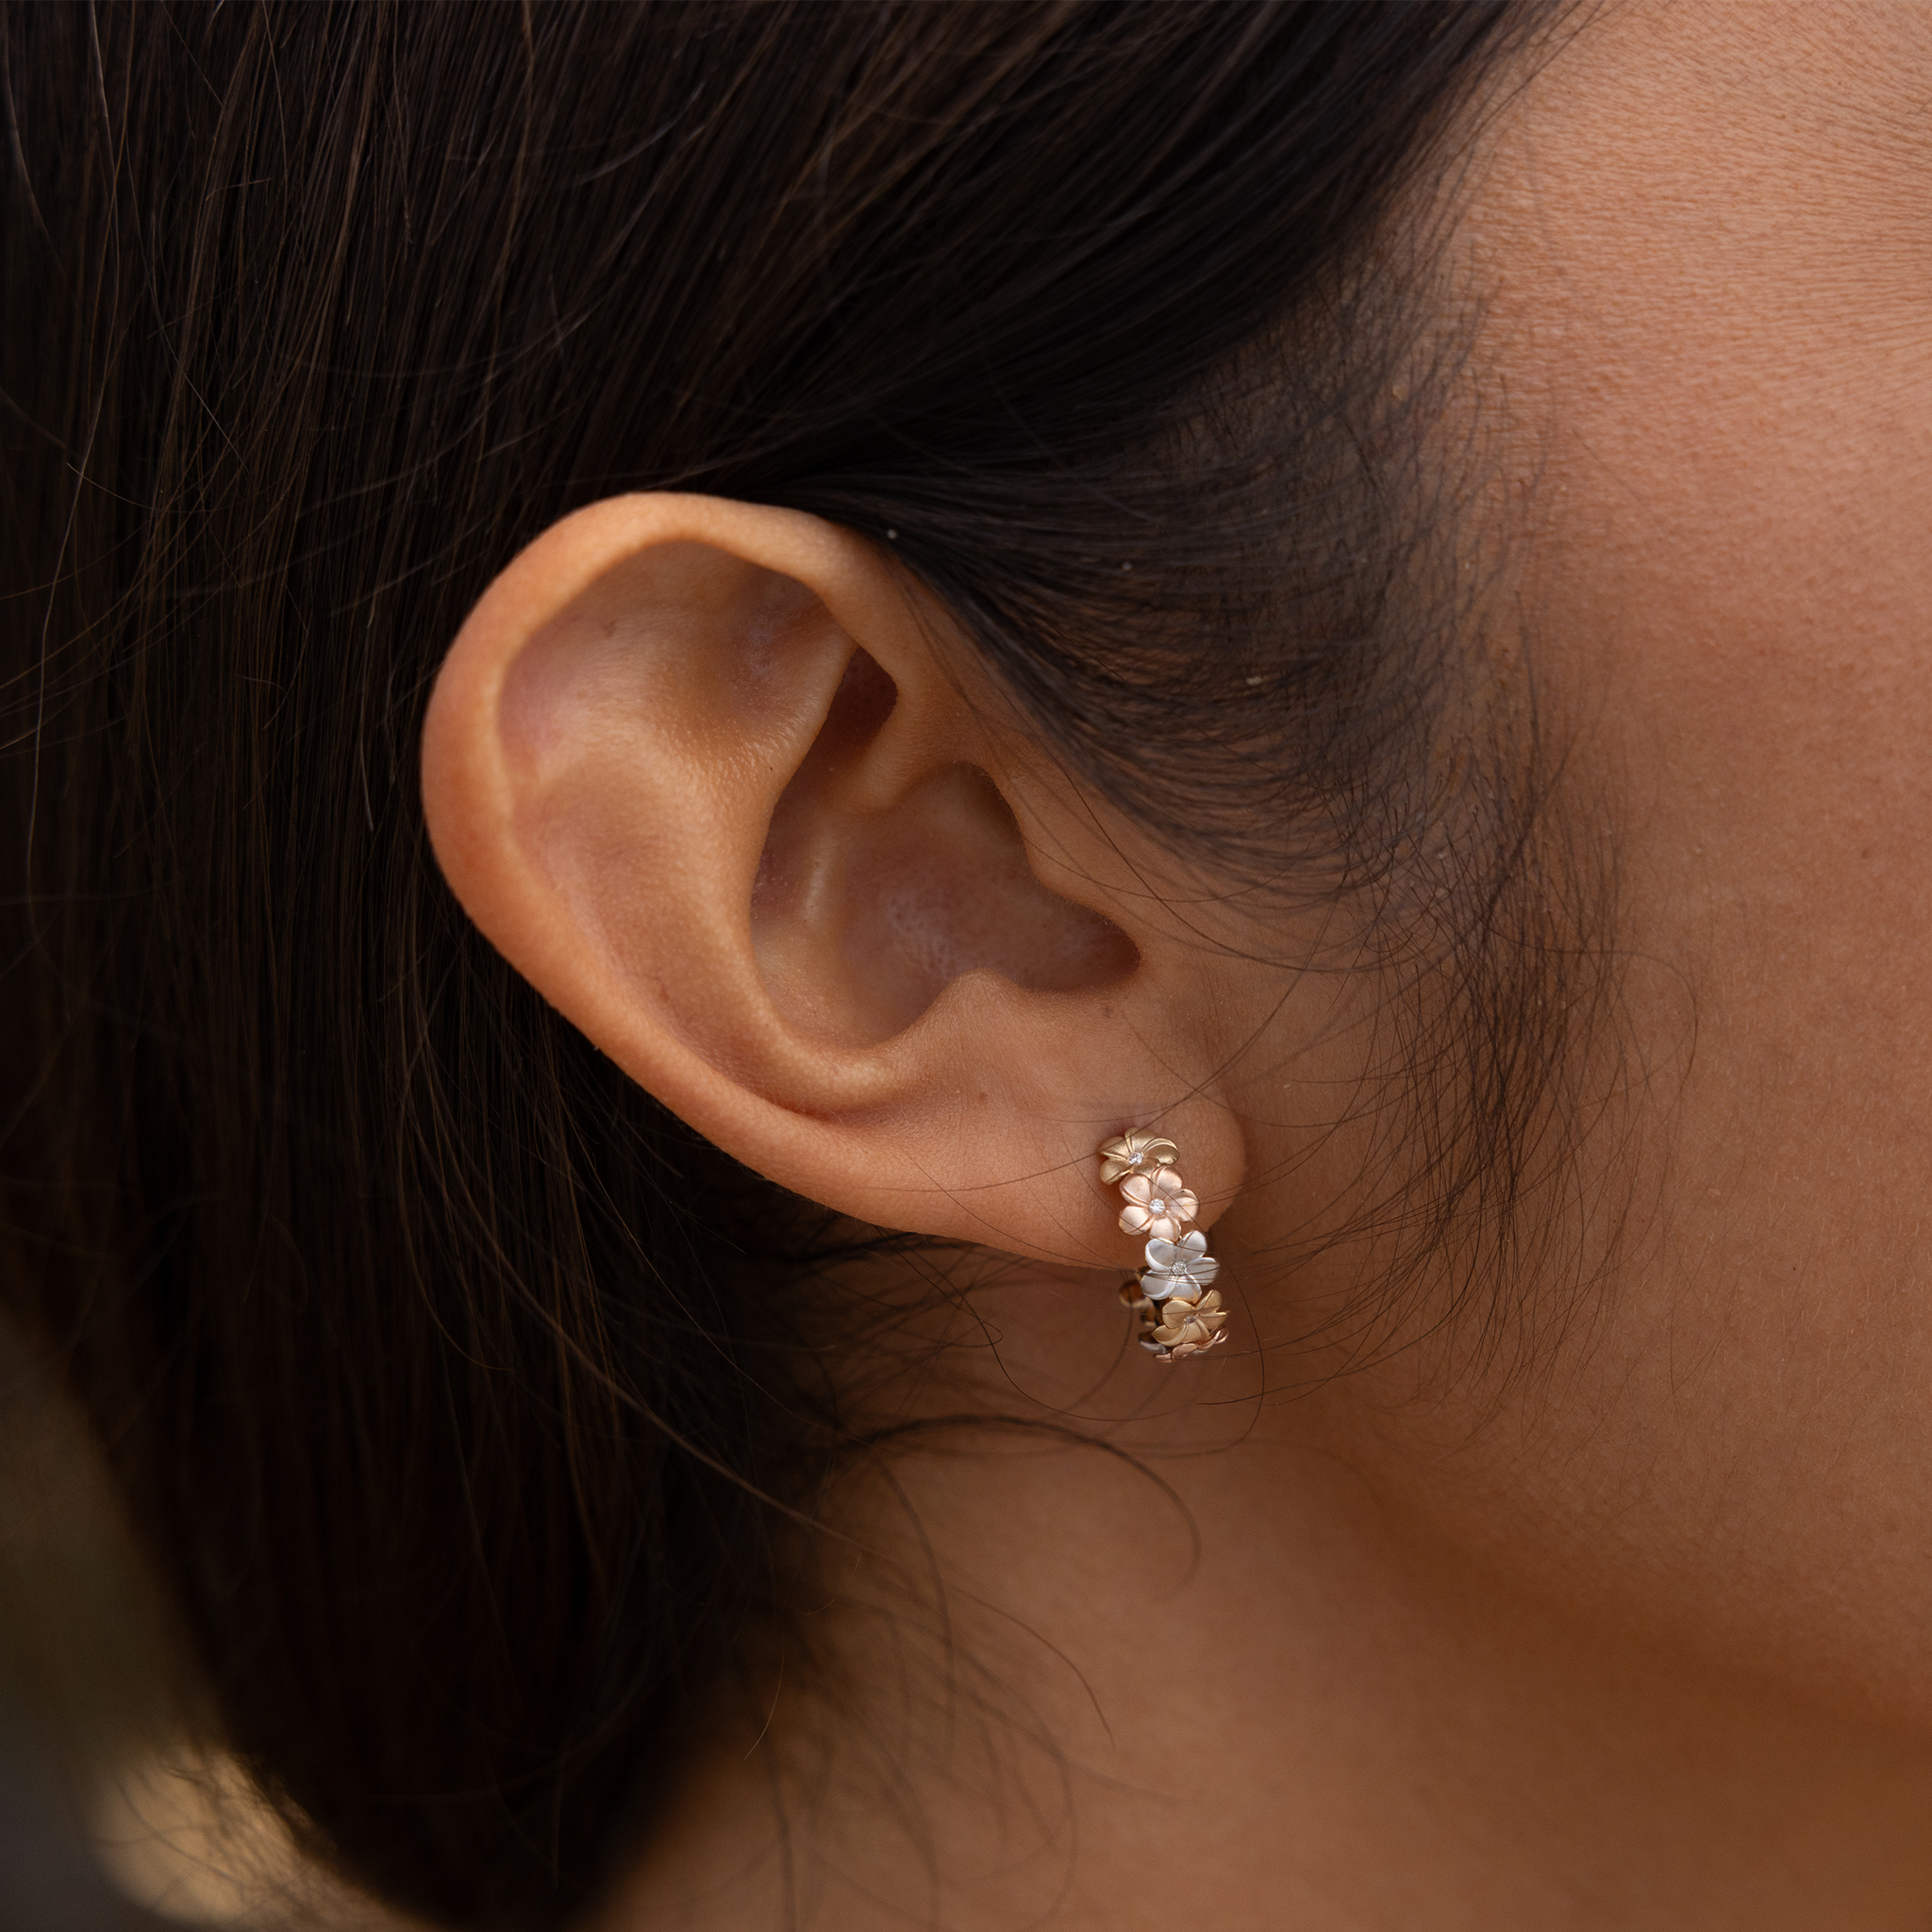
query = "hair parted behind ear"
{"x": 310, "y": 318}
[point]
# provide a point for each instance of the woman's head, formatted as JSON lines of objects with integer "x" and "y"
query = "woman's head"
{"x": 1126, "y": 498}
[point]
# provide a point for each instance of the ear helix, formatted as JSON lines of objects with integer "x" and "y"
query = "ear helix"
{"x": 1177, "y": 1309}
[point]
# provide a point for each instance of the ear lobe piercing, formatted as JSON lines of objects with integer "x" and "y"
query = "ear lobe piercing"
{"x": 1177, "y": 1309}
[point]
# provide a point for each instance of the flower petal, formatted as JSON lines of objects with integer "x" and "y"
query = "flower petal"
{"x": 1136, "y": 1151}
{"x": 1161, "y": 1254}
{"x": 1135, "y": 1219}
{"x": 1196, "y": 1243}
{"x": 1203, "y": 1271}
{"x": 1137, "y": 1186}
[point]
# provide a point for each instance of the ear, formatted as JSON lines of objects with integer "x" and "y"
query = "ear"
{"x": 698, "y": 770}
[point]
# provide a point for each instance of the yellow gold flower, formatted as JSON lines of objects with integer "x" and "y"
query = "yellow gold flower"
{"x": 1135, "y": 1152}
{"x": 1188, "y": 1327}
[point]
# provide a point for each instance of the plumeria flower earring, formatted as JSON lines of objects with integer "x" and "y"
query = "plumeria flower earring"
{"x": 1158, "y": 1203}
{"x": 1174, "y": 1302}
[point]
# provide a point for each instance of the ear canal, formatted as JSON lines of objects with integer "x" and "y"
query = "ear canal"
{"x": 862, "y": 913}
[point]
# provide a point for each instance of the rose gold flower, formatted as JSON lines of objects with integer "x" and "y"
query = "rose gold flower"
{"x": 1135, "y": 1152}
{"x": 1158, "y": 1203}
{"x": 1188, "y": 1348}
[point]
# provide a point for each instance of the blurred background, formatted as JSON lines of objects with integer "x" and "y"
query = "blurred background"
{"x": 117, "y": 1811}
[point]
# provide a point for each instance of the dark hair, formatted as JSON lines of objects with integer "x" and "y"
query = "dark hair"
{"x": 311, "y": 318}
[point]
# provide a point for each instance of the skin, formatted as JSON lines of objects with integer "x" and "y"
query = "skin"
{"x": 1635, "y": 1636}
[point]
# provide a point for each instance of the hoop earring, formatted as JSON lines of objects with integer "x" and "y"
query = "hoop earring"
{"x": 1177, "y": 1311}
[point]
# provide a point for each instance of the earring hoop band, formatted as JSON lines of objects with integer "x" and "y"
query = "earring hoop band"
{"x": 1176, "y": 1308}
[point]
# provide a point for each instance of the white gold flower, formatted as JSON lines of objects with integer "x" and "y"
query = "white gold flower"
{"x": 1186, "y": 1327}
{"x": 1135, "y": 1152}
{"x": 1159, "y": 1203}
{"x": 1184, "y": 1267}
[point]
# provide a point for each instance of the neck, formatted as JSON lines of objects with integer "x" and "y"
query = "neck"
{"x": 1036, "y": 1699}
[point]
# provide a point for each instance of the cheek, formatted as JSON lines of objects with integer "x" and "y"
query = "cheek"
{"x": 1731, "y": 579}
{"x": 1753, "y": 628}
{"x": 1763, "y": 688}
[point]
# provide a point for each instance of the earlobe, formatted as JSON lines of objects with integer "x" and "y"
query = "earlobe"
{"x": 695, "y": 769}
